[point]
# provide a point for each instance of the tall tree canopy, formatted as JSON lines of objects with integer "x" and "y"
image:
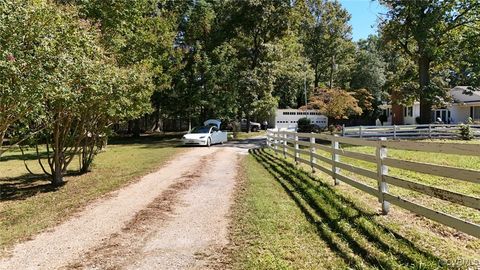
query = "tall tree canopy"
{"x": 326, "y": 38}
{"x": 423, "y": 29}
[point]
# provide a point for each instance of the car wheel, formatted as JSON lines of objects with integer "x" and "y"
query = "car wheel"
{"x": 254, "y": 129}
{"x": 209, "y": 142}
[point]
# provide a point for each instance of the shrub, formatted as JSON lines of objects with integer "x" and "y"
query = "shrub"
{"x": 466, "y": 132}
{"x": 418, "y": 120}
{"x": 335, "y": 129}
{"x": 304, "y": 125}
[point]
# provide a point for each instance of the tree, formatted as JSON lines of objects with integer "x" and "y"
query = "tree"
{"x": 293, "y": 75}
{"x": 369, "y": 69}
{"x": 326, "y": 39}
{"x": 334, "y": 103}
{"x": 23, "y": 27}
{"x": 464, "y": 56}
{"x": 422, "y": 30}
{"x": 257, "y": 26}
{"x": 141, "y": 32}
{"x": 69, "y": 90}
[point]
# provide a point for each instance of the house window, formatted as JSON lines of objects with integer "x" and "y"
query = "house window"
{"x": 475, "y": 113}
{"x": 408, "y": 111}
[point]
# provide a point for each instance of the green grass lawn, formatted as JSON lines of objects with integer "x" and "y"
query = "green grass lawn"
{"x": 270, "y": 230}
{"x": 287, "y": 218}
{"x": 28, "y": 204}
{"x": 468, "y": 188}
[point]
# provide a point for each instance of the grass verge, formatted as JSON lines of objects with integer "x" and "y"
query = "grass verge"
{"x": 294, "y": 220}
{"x": 269, "y": 229}
{"x": 29, "y": 204}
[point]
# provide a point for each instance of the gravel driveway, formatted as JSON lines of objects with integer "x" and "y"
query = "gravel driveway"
{"x": 174, "y": 218}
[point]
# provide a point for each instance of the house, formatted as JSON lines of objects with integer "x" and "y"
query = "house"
{"x": 288, "y": 118}
{"x": 464, "y": 104}
{"x": 400, "y": 114}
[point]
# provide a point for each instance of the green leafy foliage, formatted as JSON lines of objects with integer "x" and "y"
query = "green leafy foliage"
{"x": 466, "y": 132}
{"x": 423, "y": 30}
{"x": 68, "y": 88}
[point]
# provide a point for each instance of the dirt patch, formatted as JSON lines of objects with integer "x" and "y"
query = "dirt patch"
{"x": 175, "y": 218}
{"x": 125, "y": 247}
{"x": 68, "y": 241}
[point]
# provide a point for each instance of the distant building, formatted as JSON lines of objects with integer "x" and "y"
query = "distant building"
{"x": 465, "y": 104}
{"x": 288, "y": 118}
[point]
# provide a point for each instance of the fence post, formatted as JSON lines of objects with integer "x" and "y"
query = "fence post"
{"x": 360, "y": 129}
{"x": 430, "y": 131}
{"x": 284, "y": 144}
{"x": 275, "y": 141}
{"x": 394, "y": 131}
{"x": 382, "y": 170}
{"x": 335, "y": 158}
{"x": 343, "y": 130}
{"x": 313, "y": 160}
{"x": 297, "y": 154}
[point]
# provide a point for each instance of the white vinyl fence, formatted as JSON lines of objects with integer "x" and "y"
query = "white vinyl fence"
{"x": 407, "y": 131}
{"x": 288, "y": 144}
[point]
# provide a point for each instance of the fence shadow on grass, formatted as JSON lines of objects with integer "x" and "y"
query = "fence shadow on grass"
{"x": 349, "y": 231}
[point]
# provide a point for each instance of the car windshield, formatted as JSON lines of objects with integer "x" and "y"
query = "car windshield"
{"x": 200, "y": 130}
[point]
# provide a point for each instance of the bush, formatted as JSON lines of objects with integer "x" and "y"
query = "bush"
{"x": 466, "y": 132}
{"x": 304, "y": 125}
{"x": 335, "y": 129}
{"x": 418, "y": 120}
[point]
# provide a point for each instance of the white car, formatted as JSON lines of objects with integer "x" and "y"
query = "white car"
{"x": 205, "y": 135}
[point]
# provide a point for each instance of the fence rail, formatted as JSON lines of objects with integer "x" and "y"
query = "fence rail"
{"x": 408, "y": 131}
{"x": 280, "y": 140}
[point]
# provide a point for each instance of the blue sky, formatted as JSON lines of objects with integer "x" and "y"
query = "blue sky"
{"x": 364, "y": 16}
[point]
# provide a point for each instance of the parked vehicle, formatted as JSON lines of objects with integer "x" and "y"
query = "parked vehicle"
{"x": 254, "y": 126}
{"x": 206, "y": 135}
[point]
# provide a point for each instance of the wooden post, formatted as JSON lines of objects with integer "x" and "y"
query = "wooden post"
{"x": 382, "y": 170}
{"x": 360, "y": 129}
{"x": 312, "y": 151}
{"x": 394, "y": 131}
{"x": 269, "y": 135}
{"x": 429, "y": 131}
{"x": 343, "y": 130}
{"x": 284, "y": 144}
{"x": 335, "y": 158}
{"x": 275, "y": 141}
{"x": 297, "y": 154}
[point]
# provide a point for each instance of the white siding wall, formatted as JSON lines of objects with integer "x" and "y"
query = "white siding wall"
{"x": 288, "y": 118}
{"x": 410, "y": 120}
{"x": 460, "y": 114}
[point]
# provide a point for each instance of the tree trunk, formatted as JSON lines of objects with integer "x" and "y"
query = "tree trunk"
{"x": 2, "y": 137}
{"x": 317, "y": 75}
{"x": 332, "y": 68}
{"x": 130, "y": 127}
{"x": 136, "y": 128}
{"x": 424, "y": 80}
{"x": 57, "y": 175}
{"x": 156, "y": 127}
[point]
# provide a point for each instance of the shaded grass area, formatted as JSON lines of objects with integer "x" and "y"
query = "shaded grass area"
{"x": 358, "y": 236}
{"x": 269, "y": 230}
{"x": 29, "y": 204}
